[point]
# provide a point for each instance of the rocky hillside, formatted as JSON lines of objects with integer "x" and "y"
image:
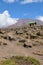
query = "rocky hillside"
{"x": 23, "y": 22}
{"x": 22, "y": 41}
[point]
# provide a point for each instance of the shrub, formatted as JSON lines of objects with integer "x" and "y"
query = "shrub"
{"x": 19, "y": 60}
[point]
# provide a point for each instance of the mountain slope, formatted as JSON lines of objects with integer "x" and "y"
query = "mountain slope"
{"x": 23, "y": 22}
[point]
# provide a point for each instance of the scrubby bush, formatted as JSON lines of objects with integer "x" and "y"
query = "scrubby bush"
{"x": 19, "y": 60}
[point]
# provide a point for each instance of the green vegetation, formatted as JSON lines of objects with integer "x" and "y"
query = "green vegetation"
{"x": 31, "y": 22}
{"x": 18, "y": 60}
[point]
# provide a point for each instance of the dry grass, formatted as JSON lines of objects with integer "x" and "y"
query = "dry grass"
{"x": 18, "y": 60}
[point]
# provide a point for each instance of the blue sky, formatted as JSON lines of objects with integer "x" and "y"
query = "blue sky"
{"x": 19, "y": 10}
{"x": 10, "y": 10}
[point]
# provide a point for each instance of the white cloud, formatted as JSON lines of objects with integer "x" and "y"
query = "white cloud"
{"x": 6, "y": 20}
{"x": 40, "y": 18}
{"x": 23, "y": 1}
{"x": 10, "y": 1}
{"x": 26, "y": 1}
{"x": 30, "y": 1}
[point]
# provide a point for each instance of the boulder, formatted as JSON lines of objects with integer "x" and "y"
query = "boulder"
{"x": 2, "y": 31}
{"x": 19, "y": 32}
{"x": 25, "y": 31}
{"x": 33, "y": 36}
{"x": 35, "y": 43}
{"x": 38, "y": 33}
{"x": 25, "y": 45}
{"x": 28, "y": 44}
{"x": 4, "y": 43}
{"x": 4, "y": 36}
{"x": 26, "y": 37}
{"x": 22, "y": 40}
{"x": 11, "y": 38}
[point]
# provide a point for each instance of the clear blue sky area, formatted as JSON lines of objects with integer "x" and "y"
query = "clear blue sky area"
{"x": 18, "y": 10}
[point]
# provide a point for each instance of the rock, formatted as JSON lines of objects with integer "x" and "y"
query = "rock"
{"x": 28, "y": 44}
{"x": 41, "y": 33}
{"x": 27, "y": 34}
{"x": 38, "y": 53}
{"x": 35, "y": 43}
{"x": 38, "y": 33}
{"x": 4, "y": 43}
{"x": 5, "y": 37}
{"x": 26, "y": 37}
{"x": 33, "y": 36}
{"x": 25, "y": 31}
{"x": 19, "y": 32}
{"x": 2, "y": 32}
{"x": 25, "y": 45}
{"x": 11, "y": 38}
{"x": 22, "y": 40}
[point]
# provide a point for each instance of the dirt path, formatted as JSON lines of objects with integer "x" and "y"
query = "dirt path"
{"x": 12, "y": 49}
